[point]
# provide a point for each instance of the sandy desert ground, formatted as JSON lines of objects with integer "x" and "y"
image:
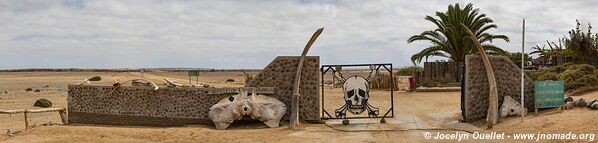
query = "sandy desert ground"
{"x": 415, "y": 114}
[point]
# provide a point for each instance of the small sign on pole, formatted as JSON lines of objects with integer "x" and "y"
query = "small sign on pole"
{"x": 193, "y": 73}
{"x": 549, "y": 94}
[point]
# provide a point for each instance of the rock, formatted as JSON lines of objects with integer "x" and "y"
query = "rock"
{"x": 46, "y": 86}
{"x": 29, "y": 89}
{"x": 594, "y": 106}
{"x": 5, "y": 91}
{"x": 591, "y": 102}
{"x": 568, "y": 99}
{"x": 44, "y": 103}
{"x": 229, "y": 80}
{"x": 9, "y": 133}
{"x": 95, "y": 78}
{"x": 569, "y": 105}
{"x": 510, "y": 107}
{"x": 37, "y": 90}
{"x": 345, "y": 122}
{"x": 580, "y": 102}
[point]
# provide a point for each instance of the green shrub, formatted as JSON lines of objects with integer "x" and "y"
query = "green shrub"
{"x": 587, "y": 78}
{"x": 574, "y": 75}
{"x": 566, "y": 65}
{"x": 556, "y": 69}
{"x": 585, "y": 68}
{"x": 248, "y": 77}
{"x": 409, "y": 71}
{"x": 574, "y": 85}
{"x": 570, "y": 75}
{"x": 533, "y": 74}
{"x": 547, "y": 76}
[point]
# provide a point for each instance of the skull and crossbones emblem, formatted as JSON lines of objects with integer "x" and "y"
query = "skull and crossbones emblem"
{"x": 356, "y": 90}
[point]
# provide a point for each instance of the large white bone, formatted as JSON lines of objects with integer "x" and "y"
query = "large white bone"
{"x": 268, "y": 110}
{"x": 263, "y": 108}
{"x": 171, "y": 83}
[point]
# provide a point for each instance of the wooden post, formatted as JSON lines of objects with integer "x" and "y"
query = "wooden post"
{"x": 294, "y": 121}
{"x": 26, "y": 121}
{"x": 493, "y": 99}
{"x": 63, "y": 117}
{"x": 61, "y": 111}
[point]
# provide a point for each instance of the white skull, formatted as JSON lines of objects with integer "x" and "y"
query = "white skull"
{"x": 356, "y": 93}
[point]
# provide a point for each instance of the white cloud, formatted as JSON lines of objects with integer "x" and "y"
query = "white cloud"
{"x": 246, "y": 34}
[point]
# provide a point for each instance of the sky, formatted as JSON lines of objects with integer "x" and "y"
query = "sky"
{"x": 227, "y": 34}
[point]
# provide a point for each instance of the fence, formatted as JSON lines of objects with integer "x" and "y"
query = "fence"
{"x": 436, "y": 73}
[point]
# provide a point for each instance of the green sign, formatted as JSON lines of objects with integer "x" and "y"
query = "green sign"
{"x": 549, "y": 93}
{"x": 193, "y": 73}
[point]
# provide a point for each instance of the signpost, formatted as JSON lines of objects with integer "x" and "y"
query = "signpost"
{"x": 193, "y": 73}
{"x": 548, "y": 94}
{"x": 523, "y": 68}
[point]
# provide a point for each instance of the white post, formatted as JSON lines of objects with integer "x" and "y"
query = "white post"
{"x": 523, "y": 69}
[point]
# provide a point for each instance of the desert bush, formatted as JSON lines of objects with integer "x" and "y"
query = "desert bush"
{"x": 570, "y": 75}
{"x": 588, "y": 78}
{"x": 578, "y": 73}
{"x": 574, "y": 85}
{"x": 556, "y": 69}
{"x": 410, "y": 71}
{"x": 566, "y": 65}
{"x": 533, "y": 74}
{"x": 382, "y": 82}
{"x": 585, "y": 68}
{"x": 576, "y": 76}
{"x": 547, "y": 76}
{"x": 248, "y": 77}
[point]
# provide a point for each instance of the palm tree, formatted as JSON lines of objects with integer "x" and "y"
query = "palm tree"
{"x": 541, "y": 51}
{"x": 449, "y": 40}
{"x": 555, "y": 51}
{"x": 516, "y": 57}
{"x": 559, "y": 49}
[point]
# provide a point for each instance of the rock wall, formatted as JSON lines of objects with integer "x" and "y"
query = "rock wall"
{"x": 128, "y": 105}
{"x": 94, "y": 104}
{"x": 280, "y": 73}
{"x": 508, "y": 80}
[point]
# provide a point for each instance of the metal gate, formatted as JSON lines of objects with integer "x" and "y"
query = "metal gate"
{"x": 356, "y": 90}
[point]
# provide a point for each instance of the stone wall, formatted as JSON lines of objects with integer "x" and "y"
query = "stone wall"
{"x": 128, "y": 105}
{"x": 508, "y": 80}
{"x": 280, "y": 74}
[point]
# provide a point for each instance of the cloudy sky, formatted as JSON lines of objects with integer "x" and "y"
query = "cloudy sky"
{"x": 248, "y": 33}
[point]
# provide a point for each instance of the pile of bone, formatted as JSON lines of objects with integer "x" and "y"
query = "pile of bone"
{"x": 260, "y": 107}
{"x": 580, "y": 102}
